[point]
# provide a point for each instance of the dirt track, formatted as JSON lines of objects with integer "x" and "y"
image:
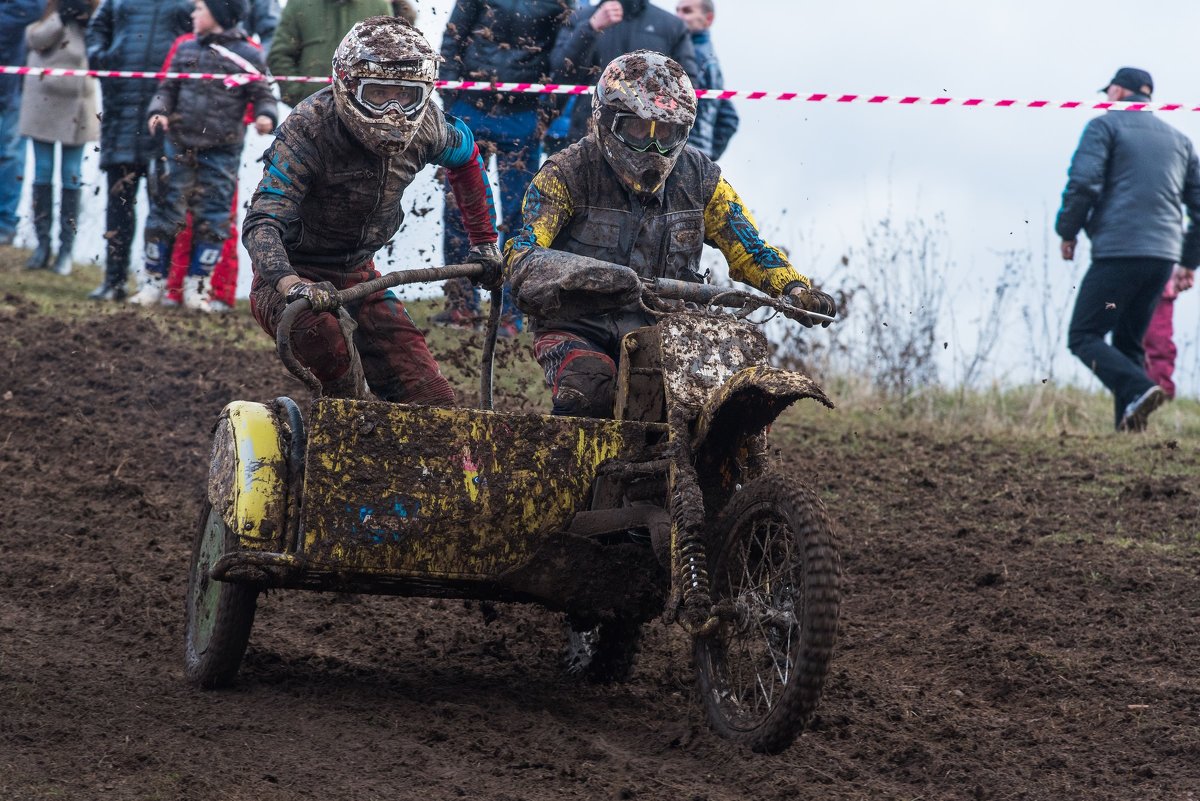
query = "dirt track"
{"x": 996, "y": 642}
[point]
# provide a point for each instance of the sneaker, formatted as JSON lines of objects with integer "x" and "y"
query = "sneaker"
{"x": 171, "y": 302}
{"x": 195, "y": 292}
{"x": 456, "y": 318}
{"x": 1138, "y": 413}
{"x": 507, "y": 331}
{"x": 151, "y": 292}
{"x": 219, "y": 307}
{"x": 108, "y": 291}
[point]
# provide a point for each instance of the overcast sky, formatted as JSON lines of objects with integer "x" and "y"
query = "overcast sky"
{"x": 817, "y": 176}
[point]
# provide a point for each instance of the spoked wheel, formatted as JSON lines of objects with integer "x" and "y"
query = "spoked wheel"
{"x": 775, "y": 580}
{"x": 219, "y": 613}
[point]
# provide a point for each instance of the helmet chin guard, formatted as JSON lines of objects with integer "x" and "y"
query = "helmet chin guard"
{"x": 383, "y": 76}
{"x": 643, "y": 109}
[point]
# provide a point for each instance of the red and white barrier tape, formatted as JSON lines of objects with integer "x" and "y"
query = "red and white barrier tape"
{"x": 710, "y": 94}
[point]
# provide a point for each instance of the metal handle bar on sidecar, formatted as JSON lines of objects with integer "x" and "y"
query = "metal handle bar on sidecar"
{"x": 711, "y": 295}
{"x": 358, "y": 292}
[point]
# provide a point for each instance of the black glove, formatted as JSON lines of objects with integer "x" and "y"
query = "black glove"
{"x": 488, "y": 257}
{"x": 322, "y": 296}
{"x": 813, "y": 300}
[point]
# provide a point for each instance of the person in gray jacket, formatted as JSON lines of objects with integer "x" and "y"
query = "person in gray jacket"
{"x": 1128, "y": 181}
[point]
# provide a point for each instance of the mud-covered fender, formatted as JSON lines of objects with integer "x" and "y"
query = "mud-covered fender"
{"x": 749, "y": 401}
{"x": 247, "y": 475}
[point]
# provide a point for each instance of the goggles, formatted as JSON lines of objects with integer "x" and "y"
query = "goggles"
{"x": 642, "y": 134}
{"x": 380, "y": 96}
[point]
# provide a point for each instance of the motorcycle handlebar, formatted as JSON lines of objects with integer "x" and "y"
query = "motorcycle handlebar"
{"x": 708, "y": 294}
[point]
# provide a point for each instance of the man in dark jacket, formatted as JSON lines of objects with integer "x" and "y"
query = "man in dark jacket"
{"x": 597, "y": 35}
{"x": 630, "y": 200}
{"x": 128, "y": 35}
{"x": 716, "y": 118}
{"x": 14, "y": 16}
{"x": 205, "y": 132}
{"x": 1128, "y": 179}
{"x": 332, "y": 195}
{"x": 496, "y": 40}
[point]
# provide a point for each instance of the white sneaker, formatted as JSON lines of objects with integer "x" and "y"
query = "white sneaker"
{"x": 151, "y": 291}
{"x": 219, "y": 306}
{"x": 195, "y": 292}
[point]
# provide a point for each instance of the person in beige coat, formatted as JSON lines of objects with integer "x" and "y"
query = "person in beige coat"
{"x": 58, "y": 110}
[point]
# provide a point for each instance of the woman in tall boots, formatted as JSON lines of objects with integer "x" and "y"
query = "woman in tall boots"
{"x": 58, "y": 110}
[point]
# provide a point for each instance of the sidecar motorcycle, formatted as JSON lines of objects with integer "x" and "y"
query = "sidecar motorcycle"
{"x": 669, "y": 509}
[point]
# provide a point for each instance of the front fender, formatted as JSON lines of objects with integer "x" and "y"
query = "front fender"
{"x": 247, "y": 475}
{"x": 748, "y": 402}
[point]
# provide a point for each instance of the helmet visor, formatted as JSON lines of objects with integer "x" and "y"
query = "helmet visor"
{"x": 642, "y": 134}
{"x": 379, "y": 96}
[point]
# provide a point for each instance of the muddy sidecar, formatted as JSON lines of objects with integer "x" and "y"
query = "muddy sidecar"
{"x": 669, "y": 509}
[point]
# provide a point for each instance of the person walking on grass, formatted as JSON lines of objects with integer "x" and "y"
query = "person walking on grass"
{"x": 1128, "y": 181}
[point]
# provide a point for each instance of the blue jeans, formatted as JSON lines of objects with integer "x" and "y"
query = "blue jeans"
{"x": 71, "y": 169}
{"x": 12, "y": 167}
{"x": 512, "y": 138}
{"x": 201, "y": 181}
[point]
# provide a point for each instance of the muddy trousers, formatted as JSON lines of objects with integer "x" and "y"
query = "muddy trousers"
{"x": 120, "y": 219}
{"x": 581, "y": 375}
{"x": 1118, "y": 297}
{"x": 396, "y": 360}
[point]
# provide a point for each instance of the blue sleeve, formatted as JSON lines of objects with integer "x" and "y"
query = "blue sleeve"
{"x": 460, "y": 145}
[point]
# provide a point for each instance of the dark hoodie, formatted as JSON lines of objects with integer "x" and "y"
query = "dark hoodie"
{"x": 581, "y": 54}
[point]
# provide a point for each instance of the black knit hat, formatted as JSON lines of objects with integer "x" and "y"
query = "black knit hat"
{"x": 227, "y": 13}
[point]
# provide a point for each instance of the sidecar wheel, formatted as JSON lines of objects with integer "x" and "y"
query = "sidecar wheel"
{"x": 219, "y": 613}
{"x": 605, "y": 654}
{"x": 775, "y": 573}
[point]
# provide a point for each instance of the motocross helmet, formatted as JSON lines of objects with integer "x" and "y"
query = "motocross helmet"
{"x": 643, "y": 109}
{"x": 383, "y": 74}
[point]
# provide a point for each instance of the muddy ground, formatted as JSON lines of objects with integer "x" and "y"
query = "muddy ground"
{"x": 1022, "y": 620}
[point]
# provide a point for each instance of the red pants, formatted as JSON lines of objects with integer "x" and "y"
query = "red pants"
{"x": 1159, "y": 345}
{"x": 224, "y": 274}
{"x": 395, "y": 357}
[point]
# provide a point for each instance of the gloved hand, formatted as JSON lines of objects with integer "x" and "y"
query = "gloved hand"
{"x": 322, "y": 296}
{"x": 488, "y": 256}
{"x": 813, "y": 300}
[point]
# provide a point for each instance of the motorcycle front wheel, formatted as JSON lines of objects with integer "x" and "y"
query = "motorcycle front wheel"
{"x": 775, "y": 577}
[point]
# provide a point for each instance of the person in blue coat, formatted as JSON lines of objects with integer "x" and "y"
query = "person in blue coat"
{"x": 14, "y": 16}
{"x": 128, "y": 35}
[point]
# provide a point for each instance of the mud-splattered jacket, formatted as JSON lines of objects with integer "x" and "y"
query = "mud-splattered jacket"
{"x": 577, "y": 205}
{"x": 327, "y": 201}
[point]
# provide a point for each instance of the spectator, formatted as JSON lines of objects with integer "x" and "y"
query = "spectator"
{"x": 1127, "y": 181}
{"x": 308, "y": 33}
{"x": 596, "y": 35}
{"x": 262, "y": 18}
{"x": 405, "y": 11}
{"x": 324, "y": 207}
{"x": 495, "y": 40}
{"x": 1159, "y": 342}
{"x": 128, "y": 35}
{"x": 58, "y": 110}
{"x": 716, "y": 120}
{"x": 15, "y": 15}
{"x": 204, "y": 124}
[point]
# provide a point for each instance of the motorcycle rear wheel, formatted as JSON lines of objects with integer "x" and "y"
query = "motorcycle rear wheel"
{"x": 219, "y": 614}
{"x": 776, "y": 579}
